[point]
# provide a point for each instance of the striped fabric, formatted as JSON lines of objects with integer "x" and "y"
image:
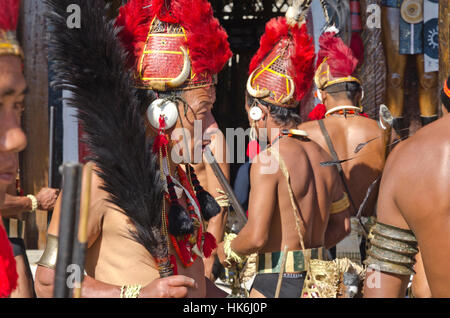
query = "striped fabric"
{"x": 269, "y": 263}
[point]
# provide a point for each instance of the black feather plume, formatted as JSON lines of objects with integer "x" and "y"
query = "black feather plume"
{"x": 91, "y": 63}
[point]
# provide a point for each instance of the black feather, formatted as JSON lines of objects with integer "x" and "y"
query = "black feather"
{"x": 179, "y": 222}
{"x": 90, "y": 62}
{"x": 208, "y": 205}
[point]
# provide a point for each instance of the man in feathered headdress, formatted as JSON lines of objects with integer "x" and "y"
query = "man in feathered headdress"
{"x": 340, "y": 127}
{"x": 180, "y": 57}
{"x": 413, "y": 213}
{"x": 12, "y": 138}
{"x": 291, "y": 197}
{"x": 133, "y": 92}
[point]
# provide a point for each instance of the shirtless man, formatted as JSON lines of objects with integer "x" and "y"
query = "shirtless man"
{"x": 12, "y": 137}
{"x": 413, "y": 210}
{"x": 302, "y": 222}
{"x": 340, "y": 93}
{"x": 117, "y": 264}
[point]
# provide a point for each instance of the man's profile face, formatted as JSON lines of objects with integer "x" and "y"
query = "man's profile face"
{"x": 200, "y": 102}
{"x": 12, "y": 137}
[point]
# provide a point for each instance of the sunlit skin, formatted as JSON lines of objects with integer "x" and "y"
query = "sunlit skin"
{"x": 421, "y": 162}
{"x": 12, "y": 137}
{"x": 271, "y": 223}
{"x": 114, "y": 259}
{"x": 346, "y": 133}
{"x": 12, "y": 141}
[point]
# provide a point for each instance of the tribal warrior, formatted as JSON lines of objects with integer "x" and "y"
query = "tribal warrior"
{"x": 413, "y": 211}
{"x": 289, "y": 206}
{"x": 147, "y": 213}
{"x": 356, "y": 143}
{"x": 12, "y": 137}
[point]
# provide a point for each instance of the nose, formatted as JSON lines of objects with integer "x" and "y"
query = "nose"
{"x": 12, "y": 137}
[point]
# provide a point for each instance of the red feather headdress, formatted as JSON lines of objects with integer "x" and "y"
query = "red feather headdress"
{"x": 9, "y": 16}
{"x": 335, "y": 63}
{"x": 282, "y": 70}
{"x": 156, "y": 33}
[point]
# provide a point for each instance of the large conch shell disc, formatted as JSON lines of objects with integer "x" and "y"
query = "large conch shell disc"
{"x": 179, "y": 80}
{"x": 412, "y": 11}
{"x": 165, "y": 108}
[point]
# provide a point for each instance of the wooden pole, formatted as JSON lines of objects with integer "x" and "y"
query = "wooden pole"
{"x": 79, "y": 254}
{"x": 69, "y": 210}
{"x": 444, "y": 41}
{"x": 34, "y": 160}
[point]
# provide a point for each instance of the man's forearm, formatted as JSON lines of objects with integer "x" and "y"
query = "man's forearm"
{"x": 14, "y": 206}
{"x": 91, "y": 288}
{"x": 248, "y": 242}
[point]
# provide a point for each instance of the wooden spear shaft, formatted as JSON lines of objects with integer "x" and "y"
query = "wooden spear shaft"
{"x": 69, "y": 206}
{"x": 80, "y": 251}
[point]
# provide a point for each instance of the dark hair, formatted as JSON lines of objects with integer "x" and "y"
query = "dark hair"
{"x": 350, "y": 89}
{"x": 147, "y": 96}
{"x": 283, "y": 116}
{"x": 444, "y": 97}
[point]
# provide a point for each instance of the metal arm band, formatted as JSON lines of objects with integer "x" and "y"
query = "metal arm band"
{"x": 392, "y": 249}
{"x": 340, "y": 205}
{"x": 48, "y": 259}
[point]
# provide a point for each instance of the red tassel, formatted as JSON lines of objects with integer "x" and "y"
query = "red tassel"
{"x": 364, "y": 115}
{"x": 173, "y": 263}
{"x": 318, "y": 112}
{"x": 8, "y": 274}
{"x": 253, "y": 149}
{"x": 160, "y": 143}
{"x": 209, "y": 244}
{"x": 184, "y": 253}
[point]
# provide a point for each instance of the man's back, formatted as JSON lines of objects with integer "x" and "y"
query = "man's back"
{"x": 346, "y": 134}
{"x": 314, "y": 188}
{"x": 415, "y": 189}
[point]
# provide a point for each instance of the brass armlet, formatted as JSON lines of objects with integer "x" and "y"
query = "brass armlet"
{"x": 340, "y": 205}
{"x": 48, "y": 258}
{"x": 392, "y": 249}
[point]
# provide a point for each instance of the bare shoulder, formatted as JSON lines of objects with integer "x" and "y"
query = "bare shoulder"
{"x": 421, "y": 162}
{"x": 423, "y": 152}
{"x": 264, "y": 167}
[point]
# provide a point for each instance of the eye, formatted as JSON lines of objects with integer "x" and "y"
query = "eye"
{"x": 19, "y": 107}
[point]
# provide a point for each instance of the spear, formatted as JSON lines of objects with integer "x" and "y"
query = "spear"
{"x": 80, "y": 242}
{"x": 69, "y": 207}
{"x": 224, "y": 183}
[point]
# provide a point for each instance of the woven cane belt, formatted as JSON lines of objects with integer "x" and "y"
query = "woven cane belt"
{"x": 391, "y": 3}
{"x": 269, "y": 263}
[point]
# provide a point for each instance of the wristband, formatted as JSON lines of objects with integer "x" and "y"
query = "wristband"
{"x": 34, "y": 202}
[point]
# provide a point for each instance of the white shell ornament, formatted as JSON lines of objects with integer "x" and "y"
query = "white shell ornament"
{"x": 162, "y": 107}
{"x": 255, "y": 113}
